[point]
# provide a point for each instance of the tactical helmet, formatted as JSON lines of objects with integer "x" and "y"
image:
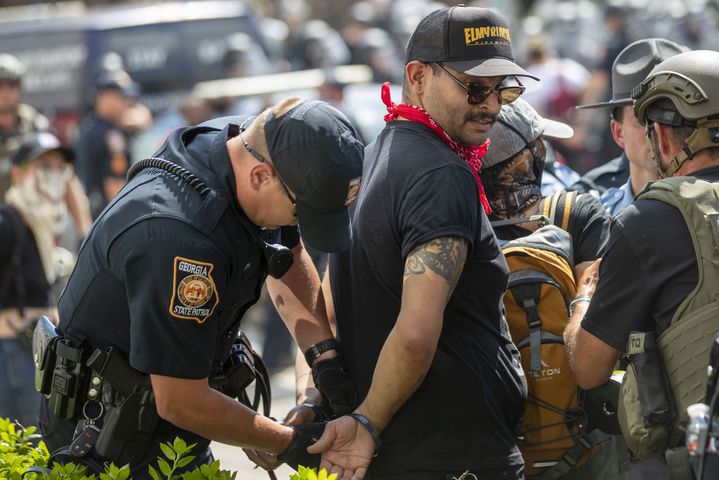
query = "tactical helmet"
{"x": 690, "y": 80}
{"x": 11, "y": 68}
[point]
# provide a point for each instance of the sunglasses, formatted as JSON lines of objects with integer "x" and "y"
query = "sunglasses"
{"x": 262, "y": 159}
{"x": 477, "y": 94}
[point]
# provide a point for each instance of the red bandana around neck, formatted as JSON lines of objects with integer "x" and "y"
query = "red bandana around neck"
{"x": 472, "y": 155}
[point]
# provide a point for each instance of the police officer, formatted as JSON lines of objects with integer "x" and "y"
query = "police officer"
{"x": 174, "y": 262}
{"x": 16, "y": 118}
{"x": 103, "y": 151}
{"x": 660, "y": 269}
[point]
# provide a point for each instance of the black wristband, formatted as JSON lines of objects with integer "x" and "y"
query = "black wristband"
{"x": 364, "y": 421}
{"x": 312, "y": 353}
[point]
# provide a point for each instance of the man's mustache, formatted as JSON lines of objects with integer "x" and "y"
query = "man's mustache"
{"x": 481, "y": 117}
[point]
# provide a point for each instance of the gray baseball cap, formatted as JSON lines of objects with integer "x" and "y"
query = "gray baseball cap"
{"x": 519, "y": 124}
{"x": 632, "y": 66}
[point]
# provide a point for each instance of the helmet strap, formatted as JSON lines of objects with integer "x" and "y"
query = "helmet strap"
{"x": 706, "y": 135}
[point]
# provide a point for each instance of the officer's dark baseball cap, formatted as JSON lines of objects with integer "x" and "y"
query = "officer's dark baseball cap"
{"x": 472, "y": 40}
{"x": 318, "y": 153}
{"x": 118, "y": 80}
{"x": 35, "y": 144}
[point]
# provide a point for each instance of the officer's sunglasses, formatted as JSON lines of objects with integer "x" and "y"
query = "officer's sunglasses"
{"x": 477, "y": 94}
{"x": 262, "y": 159}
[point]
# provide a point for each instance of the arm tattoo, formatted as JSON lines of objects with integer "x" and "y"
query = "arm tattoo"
{"x": 444, "y": 256}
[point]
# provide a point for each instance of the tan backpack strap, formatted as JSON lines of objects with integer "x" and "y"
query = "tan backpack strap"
{"x": 558, "y": 207}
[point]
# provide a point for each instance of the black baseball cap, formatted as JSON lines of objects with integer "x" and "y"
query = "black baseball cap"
{"x": 472, "y": 40}
{"x": 118, "y": 80}
{"x": 318, "y": 153}
{"x": 33, "y": 145}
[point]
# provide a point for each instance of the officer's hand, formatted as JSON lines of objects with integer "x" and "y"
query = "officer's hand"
{"x": 334, "y": 383}
{"x": 296, "y": 453}
{"x": 300, "y": 414}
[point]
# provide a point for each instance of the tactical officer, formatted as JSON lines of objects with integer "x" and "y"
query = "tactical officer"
{"x": 174, "y": 262}
{"x": 658, "y": 279}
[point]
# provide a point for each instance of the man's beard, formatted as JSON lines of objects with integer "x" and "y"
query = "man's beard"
{"x": 478, "y": 117}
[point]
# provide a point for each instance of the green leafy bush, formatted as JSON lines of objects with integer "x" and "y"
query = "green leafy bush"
{"x": 21, "y": 449}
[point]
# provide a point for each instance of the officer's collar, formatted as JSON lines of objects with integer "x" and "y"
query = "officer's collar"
{"x": 222, "y": 166}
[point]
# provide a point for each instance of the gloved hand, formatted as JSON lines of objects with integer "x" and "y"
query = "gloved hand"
{"x": 296, "y": 453}
{"x": 333, "y": 381}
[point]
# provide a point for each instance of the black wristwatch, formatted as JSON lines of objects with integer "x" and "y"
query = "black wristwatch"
{"x": 312, "y": 353}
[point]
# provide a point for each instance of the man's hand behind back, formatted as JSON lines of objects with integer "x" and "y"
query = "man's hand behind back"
{"x": 347, "y": 449}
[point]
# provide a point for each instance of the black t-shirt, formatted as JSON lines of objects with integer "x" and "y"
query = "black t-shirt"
{"x": 23, "y": 284}
{"x": 650, "y": 267}
{"x": 588, "y": 225}
{"x": 415, "y": 189}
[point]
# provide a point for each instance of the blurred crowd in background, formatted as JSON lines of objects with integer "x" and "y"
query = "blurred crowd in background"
{"x": 111, "y": 112}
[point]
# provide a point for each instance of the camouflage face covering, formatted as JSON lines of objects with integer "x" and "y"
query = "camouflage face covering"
{"x": 515, "y": 184}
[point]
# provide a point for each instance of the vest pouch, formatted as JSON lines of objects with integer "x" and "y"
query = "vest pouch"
{"x": 646, "y": 409}
{"x": 127, "y": 428}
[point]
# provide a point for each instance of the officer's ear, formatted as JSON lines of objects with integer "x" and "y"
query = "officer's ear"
{"x": 261, "y": 175}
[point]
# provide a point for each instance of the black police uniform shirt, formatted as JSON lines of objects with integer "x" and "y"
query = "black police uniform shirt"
{"x": 166, "y": 273}
{"x": 415, "y": 189}
{"x": 612, "y": 174}
{"x": 102, "y": 151}
{"x": 649, "y": 268}
{"x": 588, "y": 226}
{"x": 22, "y": 281}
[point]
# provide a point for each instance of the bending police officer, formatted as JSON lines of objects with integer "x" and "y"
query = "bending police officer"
{"x": 173, "y": 263}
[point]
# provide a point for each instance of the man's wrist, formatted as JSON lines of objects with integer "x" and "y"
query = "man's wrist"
{"x": 577, "y": 300}
{"x": 367, "y": 424}
{"x": 321, "y": 350}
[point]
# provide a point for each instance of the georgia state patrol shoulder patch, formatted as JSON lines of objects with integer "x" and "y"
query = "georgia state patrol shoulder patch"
{"x": 194, "y": 295}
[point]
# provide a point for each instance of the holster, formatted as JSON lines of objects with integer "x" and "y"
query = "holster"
{"x": 131, "y": 415}
{"x": 43, "y": 353}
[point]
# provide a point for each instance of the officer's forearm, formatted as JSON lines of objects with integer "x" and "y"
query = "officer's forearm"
{"x": 194, "y": 406}
{"x": 299, "y": 301}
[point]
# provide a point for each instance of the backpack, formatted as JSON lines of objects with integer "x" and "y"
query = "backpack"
{"x": 682, "y": 350}
{"x": 553, "y": 437}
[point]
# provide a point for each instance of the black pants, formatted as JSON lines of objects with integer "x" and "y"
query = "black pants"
{"x": 57, "y": 434}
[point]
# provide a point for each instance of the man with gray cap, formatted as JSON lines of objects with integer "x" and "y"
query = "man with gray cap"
{"x": 620, "y": 179}
{"x": 653, "y": 296}
{"x": 417, "y": 297}
{"x": 512, "y": 177}
{"x": 171, "y": 266}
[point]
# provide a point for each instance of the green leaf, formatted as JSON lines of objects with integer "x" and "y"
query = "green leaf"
{"x": 183, "y": 462}
{"x": 168, "y": 451}
{"x": 164, "y": 467}
{"x": 153, "y": 473}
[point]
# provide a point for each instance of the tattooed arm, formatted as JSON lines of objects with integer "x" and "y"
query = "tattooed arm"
{"x": 430, "y": 275}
